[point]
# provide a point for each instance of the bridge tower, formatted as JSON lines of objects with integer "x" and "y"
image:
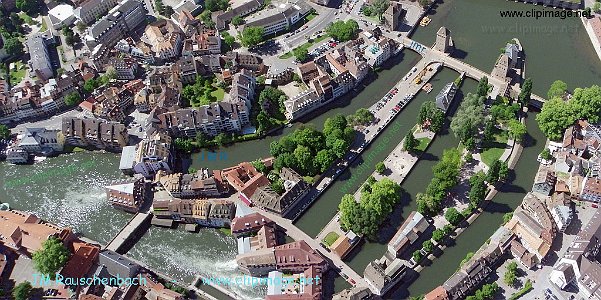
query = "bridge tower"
{"x": 444, "y": 42}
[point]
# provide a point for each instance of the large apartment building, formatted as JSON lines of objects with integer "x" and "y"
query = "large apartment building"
{"x": 209, "y": 119}
{"x": 90, "y": 10}
{"x": 97, "y": 133}
{"x": 119, "y": 22}
{"x": 40, "y": 63}
{"x": 281, "y": 18}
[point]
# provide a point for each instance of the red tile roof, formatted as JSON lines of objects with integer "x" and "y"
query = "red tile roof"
{"x": 82, "y": 260}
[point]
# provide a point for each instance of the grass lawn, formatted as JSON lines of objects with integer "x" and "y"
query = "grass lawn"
{"x": 27, "y": 19}
{"x": 494, "y": 150}
{"x": 373, "y": 19}
{"x": 330, "y": 238}
{"x": 306, "y": 45}
{"x": 423, "y": 143}
{"x": 219, "y": 93}
{"x": 17, "y": 72}
{"x": 44, "y": 26}
{"x": 226, "y": 231}
{"x": 312, "y": 16}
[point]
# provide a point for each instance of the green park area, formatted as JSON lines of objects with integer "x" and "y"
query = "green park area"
{"x": 330, "y": 238}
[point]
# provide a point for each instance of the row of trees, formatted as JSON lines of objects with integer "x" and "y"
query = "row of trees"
{"x": 343, "y": 30}
{"x": 430, "y": 116}
{"x": 309, "y": 151}
{"x": 446, "y": 175}
{"x": 377, "y": 202}
{"x": 557, "y": 114}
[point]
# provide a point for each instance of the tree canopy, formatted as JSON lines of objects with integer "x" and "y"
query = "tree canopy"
{"x": 380, "y": 167}
{"x": 468, "y": 118}
{"x": 22, "y": 291}
{"x": 301, "y": 54}
{"x": 410, "y": 143}
{"x": 4, "y": 132}
{"x": 343, "y": 31}
{"x": 51, "y": 257}
{"x": 526, "y": 92}
{"x": 376, "y": 8}
{"x": 558, "y": 89}
{"x": 215, "y": 5}
{"x": 271, "y": 102}
{"x": 361, "y": 117}
{"x": 482, "y": 87}
{"x": 13, "y": 46}
{"x": 251, "y": 36}
{"x": 30, "y": 7}
{"x": 446, "y": 175}
{"x": 430, "y": 113}
{"x": 300, "y": 149}
{"x": 73, "y": 99}
{"x": 556, "y": 114}
{"x": 517, "y": 130}
{"x": 376, "y": 204}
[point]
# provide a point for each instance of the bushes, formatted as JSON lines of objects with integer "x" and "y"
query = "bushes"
{"x": 453, "y": 216}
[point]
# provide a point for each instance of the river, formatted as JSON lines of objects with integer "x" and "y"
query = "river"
{"x": 76, "y": 197}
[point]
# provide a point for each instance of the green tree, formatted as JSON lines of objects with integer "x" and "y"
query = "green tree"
{"x": 229, "y": 40}
{"x": 492, "y": 175}
{"x": 453, "y": 216}
{"x": 13, "y": 47}
{"x": 73, "y": 99}
{"x": 410, "y": 143}
{"x": 517, "y": 130}
{"x": 482, "y": 87}
{"x": 4, "y": 132}
{"x": 237, "y": 21}
{"x": 343, "y": 31}
{"x": 468, "y": 118}
{"x": 430, "y": 113}
{"x": 597, "y": 7}
{"x": 51, "y": 257}
{"x": 221, "y": 139}
{"x": 110, "y": 73}
{"x": 278, "y": 186}
{"x": 184, "y": 145}
{"x": 526, "y": 92}
{"x": 503, "y": 172}
{"x": 558, "y": 89}
{"x": 555, "y": 116}
{"x": 22, "y": 291}
{"x": 380, "y": 168}
{"x": 417, "y": 256}
{"x": 215, "y": 5}
{"x": 361, "y": 117}
{"x": 323, "y": 160}
{"x": 438, "y": 235}
{"x": 477, "y": 188}
{"x": 511, "y": 274}
{"x": 546, "y": 154}
{"x": 428, "y": 246}
{"x": 251, "y": 36}
{"x": 30, "y": 7}
{"x": 301, "y": 54}
{"x": 259, "y": 165}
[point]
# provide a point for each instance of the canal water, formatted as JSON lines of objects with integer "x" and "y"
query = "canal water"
{"x": 65, "y": 191}
{"x": 555, "y": 49}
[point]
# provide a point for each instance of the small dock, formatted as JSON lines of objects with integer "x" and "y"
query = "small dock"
{"x": 135, "y": 228}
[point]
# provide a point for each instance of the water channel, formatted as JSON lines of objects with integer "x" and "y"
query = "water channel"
{"x": 555, "y": 48}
